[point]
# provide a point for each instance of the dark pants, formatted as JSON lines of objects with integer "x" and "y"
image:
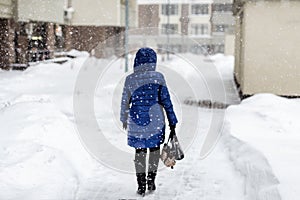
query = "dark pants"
{"x": 140, "y": 160}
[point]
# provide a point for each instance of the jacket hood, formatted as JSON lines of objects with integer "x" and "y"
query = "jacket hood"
{"x": 145, "y": 60}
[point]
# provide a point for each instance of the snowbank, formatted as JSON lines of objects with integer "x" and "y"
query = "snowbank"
{"x": 41, "y": 154}
{"x": 224, "y": 64}
{"x": 259, "y": 180}
{"x": 269, "y": 125}
{"x": 75, "y": 53}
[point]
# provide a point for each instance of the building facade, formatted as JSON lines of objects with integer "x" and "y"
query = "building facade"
{"x": 28, "y": 30}
{"x": 197, "y": 26}
{"x": 223, "y": 26}
{"x": 101, "y": 28}
{"x": 101, "y": 25}
{"x": 35, "y": 30}
{"x": 266, "y": 48}
{"x": 6, "y": 36}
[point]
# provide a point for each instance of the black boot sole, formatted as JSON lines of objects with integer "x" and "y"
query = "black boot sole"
{"x": 151, "y": 189}
{"x": 141, "y": 193}
{"x": 151, "y": 186}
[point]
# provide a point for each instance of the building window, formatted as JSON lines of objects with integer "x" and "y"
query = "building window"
{"x": 169, "y": 9}
{"x": 200, "y": 9}
{"x": 220, "y": 28}
{"x": 169, "y": 28}
{"x": 222, "y": 7}
{"x": 199, "y": 29}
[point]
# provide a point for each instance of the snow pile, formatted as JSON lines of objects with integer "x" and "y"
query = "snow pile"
{"x": 259, "y": 180}
{"x": 224, "y": 64}
{"x": 41, "y": 154}
{"x": 269, "y": 124}
{"x": 75, "y": 53}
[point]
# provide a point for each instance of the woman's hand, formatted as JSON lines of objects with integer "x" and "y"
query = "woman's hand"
{"x": 125, "y": 125}
{"x": 172, "y": 133}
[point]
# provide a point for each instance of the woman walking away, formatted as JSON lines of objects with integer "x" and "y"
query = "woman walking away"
{"x": 144, "y": 97}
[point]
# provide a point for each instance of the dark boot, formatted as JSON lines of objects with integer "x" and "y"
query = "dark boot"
{"x": 151, "y": 181}
{"x": 140, "y": 167}
{"x": 141, "y": 179}
{"x": 152, "y": 170}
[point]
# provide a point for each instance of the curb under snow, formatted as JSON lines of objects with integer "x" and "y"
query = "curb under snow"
{"x": 260, "y": 183}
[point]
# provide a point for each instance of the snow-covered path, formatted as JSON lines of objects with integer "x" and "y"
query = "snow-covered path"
{"x": 192, "y": 178}
{"x": 41, "y": 154}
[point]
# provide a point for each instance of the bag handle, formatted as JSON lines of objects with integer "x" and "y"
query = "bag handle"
{"x": 169, "y": 139}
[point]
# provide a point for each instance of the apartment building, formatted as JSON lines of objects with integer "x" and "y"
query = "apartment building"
{"x": 185, "y": 25}
{"x": 29, "y": 30}
{"x": 34, "y": 30}
{"x": 96, "y": 22}
{"x": 6, "y": 38}
{"x": 223, "y": 26}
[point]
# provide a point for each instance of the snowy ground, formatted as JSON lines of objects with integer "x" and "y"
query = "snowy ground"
{"x": 42, "y": 156}
{"x": 269, "y": 124}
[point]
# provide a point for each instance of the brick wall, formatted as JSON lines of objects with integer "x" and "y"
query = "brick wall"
{"x": 7, "y": 51}
{"x": 148, "y": 18}
{"x": 50, "y": 41}
{"x": 86, "y": 38}
{"x": 184, "y": 19}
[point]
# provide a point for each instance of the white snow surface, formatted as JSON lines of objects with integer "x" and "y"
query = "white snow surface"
{"x": 42, "y": 155}
{"x": 269, "y": 124}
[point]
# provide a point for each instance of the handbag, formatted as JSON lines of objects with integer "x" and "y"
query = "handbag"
{"x": 171, "y": 152}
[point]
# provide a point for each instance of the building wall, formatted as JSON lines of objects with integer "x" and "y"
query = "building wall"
{"x": 271, "y": 50}
{"x": 148, "y": 16}
{"x": 50, "y": 41}
{"x": 94, "y": 22}
{"x": 173, "y": 19}
{"x": 223, "y": 18}
{"x": 189, "y": 26}
{"x": 200, "y": 19}
{"x": 6, "y": 9}
{"x": 7, "y": 54}
{"x": 184, "y": 19}
{"x": 229, "y": 44}
{"x": 96, "y": 13}
{"x": 41, "y": 10}
{"x": 133, "y": 14}
{"x": 87, "y": 38}
{"x": 15, "y": 18}
{"x": 237, "y": 53}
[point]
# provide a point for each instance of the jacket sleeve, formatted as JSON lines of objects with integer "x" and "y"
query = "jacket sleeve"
{"x": 165, "y": 101}
{"x": 126, "y": 99}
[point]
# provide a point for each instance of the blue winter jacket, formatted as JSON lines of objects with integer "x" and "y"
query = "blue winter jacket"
{"x": 144, "y": 97}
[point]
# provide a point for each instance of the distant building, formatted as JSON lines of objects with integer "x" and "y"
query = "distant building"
{"x": 190, "y": 22}
{"x": 30, "y": 30}
{"x": 94, "y": 21}
{"x": 267, "y": 47}
{"x": 34, "y": 30}
{"x": 223, "y": 26}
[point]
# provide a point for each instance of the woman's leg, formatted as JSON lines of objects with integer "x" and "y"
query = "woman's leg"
{"x": 140, "y": 160}
{"x": 152, "y": 168}
{"x": 140, "y": 167}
